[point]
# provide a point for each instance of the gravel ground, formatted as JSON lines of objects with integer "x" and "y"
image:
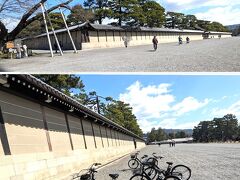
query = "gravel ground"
{"x": 212, "y": 55}
{"x": 207, "y": 161}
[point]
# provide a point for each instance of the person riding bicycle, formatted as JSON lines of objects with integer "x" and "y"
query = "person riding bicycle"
{"x": 155, "y": 42}
{"x": 180, "y": 39}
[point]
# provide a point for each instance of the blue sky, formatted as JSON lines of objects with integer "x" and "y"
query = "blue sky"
{"x": 171, "y": 101}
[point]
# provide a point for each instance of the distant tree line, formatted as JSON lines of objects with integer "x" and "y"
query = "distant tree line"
{"x": 182, "y": 21}
{"x": 117, "y": 111}
{"x": 236, "y": 31}
{"x": 160, "y": 135}
{"x": 218, "y": 129}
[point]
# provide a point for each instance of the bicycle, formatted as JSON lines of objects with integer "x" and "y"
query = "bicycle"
{"x": 145, "y": 176}
{"x": 134, "y": 162}
{"x": 90, "y": 174}
{"x": 181, "y": 171}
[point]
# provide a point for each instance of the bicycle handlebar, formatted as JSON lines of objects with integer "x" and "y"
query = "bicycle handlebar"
{"x": 157, "y": 157}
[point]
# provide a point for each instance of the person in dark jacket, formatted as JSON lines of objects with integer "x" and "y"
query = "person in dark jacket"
{"x": 155, "y": 42}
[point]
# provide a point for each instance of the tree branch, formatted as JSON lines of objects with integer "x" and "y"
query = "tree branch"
{"x": 24, "y": 22}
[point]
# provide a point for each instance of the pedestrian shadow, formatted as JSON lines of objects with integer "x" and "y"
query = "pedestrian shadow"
{"x": 152, "y": 50}
{"x": 123, "y": 170}
{"x": 134, "y": 171}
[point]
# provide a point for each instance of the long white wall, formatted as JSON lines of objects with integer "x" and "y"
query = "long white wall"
{"x": 109, "y": 39}
{"x": 68, "y": 144}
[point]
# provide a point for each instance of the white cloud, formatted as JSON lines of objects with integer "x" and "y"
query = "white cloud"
{"x": 156, "y": 106}
{"x": 233, "y": 109}
{"x": 223, "y": 11}
{"x": 189, "y": 104}
{"x": 180, "y": 3}
{"x": 225, "y": 15}
{"x": 168, "y": 123}
{"x": 192, "y": 4}
{"x": 148, "y": 101}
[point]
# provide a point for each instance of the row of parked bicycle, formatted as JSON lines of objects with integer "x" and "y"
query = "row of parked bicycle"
{"x": 146, "y": 168}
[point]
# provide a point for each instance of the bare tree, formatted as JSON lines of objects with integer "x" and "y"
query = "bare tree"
{"x": 26, "y": 7}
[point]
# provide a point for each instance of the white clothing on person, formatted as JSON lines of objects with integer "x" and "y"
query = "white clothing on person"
{"x": 25, "y": 50}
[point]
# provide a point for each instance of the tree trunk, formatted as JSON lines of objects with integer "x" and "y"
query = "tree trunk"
{"x": 3, "y": 35}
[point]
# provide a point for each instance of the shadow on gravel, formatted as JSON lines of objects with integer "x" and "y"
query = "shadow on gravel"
{"x": 123, "y": 170}
{"x": 134, "y": 171}
{"x": 151, "y": 50}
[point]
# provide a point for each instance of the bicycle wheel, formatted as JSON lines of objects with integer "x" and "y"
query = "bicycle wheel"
{"x": 133, "y": 164}
{"x": 139, "y": 177}
{"x": 181, "y": 171}
{"x": 172, "y": 178}
{"x": 151, "y": 172}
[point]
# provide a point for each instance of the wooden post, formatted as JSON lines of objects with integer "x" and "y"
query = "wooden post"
{"x": 46, "y": 128}
{"x": 3, "y": 135}
{"x": 85, "y": 143}
{"x": 55, "y": 36}
{"x": 94, "y": 135}
{"x": 68, "y": 129}
{"x": 64, "y": 20}
{"x": 101, "y": 136}
{"x": 107, "y": 135}
{"x": 48, "y": 37}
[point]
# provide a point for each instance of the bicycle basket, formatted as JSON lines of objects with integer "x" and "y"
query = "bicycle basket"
{"x": 85, "y": 177}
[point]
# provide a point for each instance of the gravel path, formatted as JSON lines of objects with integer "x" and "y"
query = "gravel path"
{"x": 207, "y": 161}
{"x": 212, "y": 55}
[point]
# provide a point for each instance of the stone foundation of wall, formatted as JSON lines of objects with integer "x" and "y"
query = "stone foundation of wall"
{"x": 54, "y": 165}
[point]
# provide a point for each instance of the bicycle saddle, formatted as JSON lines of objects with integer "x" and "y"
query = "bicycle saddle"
{"x": 147, "y": 163}
{"x": 169, "y": 163}
{"x": 144, "y": 156}
{"x": 114, "y": 176}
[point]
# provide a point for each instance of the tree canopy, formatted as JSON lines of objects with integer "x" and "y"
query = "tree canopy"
{"x": 79, "y": 15}
{"x": 218, "y": 129}
{"x": 122, "y": 114}
{"x": 38, "y": 25}
{"x": 117, "y": 111}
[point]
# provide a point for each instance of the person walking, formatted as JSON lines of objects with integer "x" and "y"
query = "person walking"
{"x": 179, "y": 40}
{"x": 135, "y": 143}
{"x": 55, "y": 47}
{"x": 155, "y": 42}
{"x": 187, "y": 40}
{"x": 19, "y": 53}
{"x": 125, "y": 40}
{"x": 25, "y": 50}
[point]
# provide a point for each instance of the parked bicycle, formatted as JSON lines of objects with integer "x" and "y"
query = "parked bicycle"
{"x": 135, "y": 162}
{"x": 144, "y": 175}
{"x": 181, "y": 171}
